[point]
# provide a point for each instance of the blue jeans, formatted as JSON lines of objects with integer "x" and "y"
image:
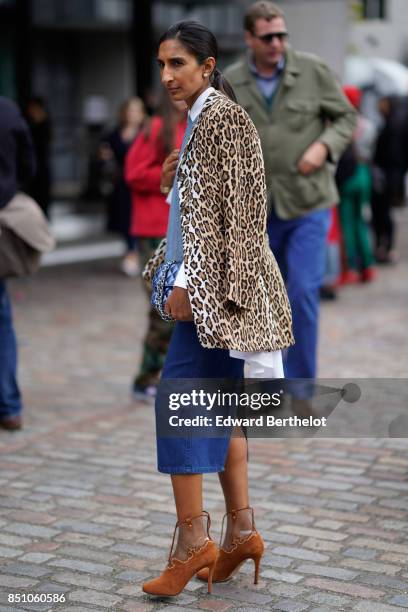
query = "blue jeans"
{"x": 10, "y": 400}
{"x": 187, "y": 359}
{"x": 299, "y": 246}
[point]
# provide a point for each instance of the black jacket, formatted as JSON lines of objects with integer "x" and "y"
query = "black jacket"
{"x": 17, "y": 158}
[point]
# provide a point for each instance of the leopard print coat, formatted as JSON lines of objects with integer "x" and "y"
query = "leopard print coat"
{"x": 236, "y": 291}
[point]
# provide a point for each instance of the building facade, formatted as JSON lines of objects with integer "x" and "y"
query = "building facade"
{"x": 86, "y": 56}
{"x": 379, "y": 29}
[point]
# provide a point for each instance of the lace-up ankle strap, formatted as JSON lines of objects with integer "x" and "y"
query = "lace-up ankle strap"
{"x": 189, "y": 522}
{"x": 233, "y": 514}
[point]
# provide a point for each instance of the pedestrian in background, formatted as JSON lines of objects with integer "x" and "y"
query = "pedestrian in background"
{"x": 390, "y": 166}
{"x": 113, "y": 152}
{"x": 228, "y": 299}
{"x": 304, "y": 122}
{"x": 17, "y": 167}
{"x": 38, "y": 119}
{"x": 355, "y": 198}
{"x": 328, "y": 290}
{"x": 158, "y": 143}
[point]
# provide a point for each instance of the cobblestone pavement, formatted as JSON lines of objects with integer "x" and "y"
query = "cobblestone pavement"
{"x": 85, "y": 515}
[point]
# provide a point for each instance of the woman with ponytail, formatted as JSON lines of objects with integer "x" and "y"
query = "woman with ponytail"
{"x": 228, "y": 300}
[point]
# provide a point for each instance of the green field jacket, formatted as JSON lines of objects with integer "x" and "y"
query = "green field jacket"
{"x": 308, "y": 106}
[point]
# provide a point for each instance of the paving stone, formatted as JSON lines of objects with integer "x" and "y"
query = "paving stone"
{"x": 237, "y": 594}
{"x": 400, "y": 600}
{"x": 9, "y": 540}
{"x": 131, "y": 606}
{"x": 393, "y": 558}
{"x": 95, "y": 597}
{"x": 316, "y": 533}
{"x": 10, "y": 552}
{"x": 284, "y": 576}
{"x": 78, "y": 609}
{"x": 217, "y": 605}
{"x": 337, "y": 601}
{"x": 138, "y": 551}
{"x": 14, "y": 582}
{"x": 300, "y": 553}
{"x": 88, "y": 473}
{"x": 303, "y": 500}
{"x": 325, "y": 484}
{"x": 360, "y": 553}
{"x": 82, "y": 566}
{"x": 81, "y": 527}
{"x": 135, "y": 524}
{"x": 87, "y": 554}
{"x": 341, "y": 505}
{"x": 276, "y": 561}
{"x": 27, "y": 569}
{"x": 154, "y": 540}
{"x": 86, "y": 540}
{"x": 31, "y": 530}
{"x": 38, "y": 518}
{"x": 289, "y": 605}
{"x": 132, "y": 575}
{"x": 50, "y": 587}
{"x": 315, "y": 544}
{"x": 36, "y": 557}
{"x": 325, "y": 570}
{"x": 374, "y": 606}
{"x": 381, "y": 545}
{"x": 282, "y": 538}
{"x": 347, "y": 588}
{"x": 385, "y": 581}
{"x": 371, "y": 566}
{"x": 296, "y": 519}
{"x": 83, "y": 580}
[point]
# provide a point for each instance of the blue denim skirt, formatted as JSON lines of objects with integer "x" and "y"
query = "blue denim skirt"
{"x": 187, "y": 359}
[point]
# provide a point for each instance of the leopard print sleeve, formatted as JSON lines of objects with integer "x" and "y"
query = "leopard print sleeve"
{"x": 244, "y": 204}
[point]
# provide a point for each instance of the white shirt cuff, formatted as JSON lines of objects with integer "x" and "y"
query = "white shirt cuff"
{"x": 261, "y": 364}
{"x": 181, "y": 278}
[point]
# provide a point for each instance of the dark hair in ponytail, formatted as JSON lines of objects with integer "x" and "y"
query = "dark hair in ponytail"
{"x": 200, "y": 42}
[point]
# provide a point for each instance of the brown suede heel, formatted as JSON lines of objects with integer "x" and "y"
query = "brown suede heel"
{"x": 229, "y": 561}
{"x": 178, "y": 573}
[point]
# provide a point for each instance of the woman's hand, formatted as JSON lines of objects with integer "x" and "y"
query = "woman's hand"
{"x": 169, "y": 170}
{"x": 178, "y": 305}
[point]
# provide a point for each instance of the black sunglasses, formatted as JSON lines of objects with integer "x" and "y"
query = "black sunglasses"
{"x": 267, "y": 38}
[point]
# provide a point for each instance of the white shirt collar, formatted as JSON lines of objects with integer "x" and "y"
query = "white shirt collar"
{"x": 199, "y": 103}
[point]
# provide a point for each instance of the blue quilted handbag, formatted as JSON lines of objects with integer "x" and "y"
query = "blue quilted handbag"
{"x": 162, "y": 285}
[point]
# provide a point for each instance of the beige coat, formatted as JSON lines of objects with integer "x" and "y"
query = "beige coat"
{"x": 236, "y": 291}
{"x": 25, "y": 218}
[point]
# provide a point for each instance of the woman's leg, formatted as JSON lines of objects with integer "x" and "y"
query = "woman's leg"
{"x": 234, "y": 483}
{"x": 187, "y": 489}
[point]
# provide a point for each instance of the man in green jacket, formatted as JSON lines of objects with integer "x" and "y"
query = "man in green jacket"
{"x": 305, "y": 122}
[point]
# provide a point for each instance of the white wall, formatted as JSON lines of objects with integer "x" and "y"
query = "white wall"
{"x": 383, "y": 38}
{"x": 319, "y": 26}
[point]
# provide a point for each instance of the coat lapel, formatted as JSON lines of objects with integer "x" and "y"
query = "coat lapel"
{"x": 289, "y": 77}
{"x": 209, "y": 101}
{"x": 181, "y": 174}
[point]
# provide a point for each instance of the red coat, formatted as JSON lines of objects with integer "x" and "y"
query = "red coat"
{"x": 143, "y": 168}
